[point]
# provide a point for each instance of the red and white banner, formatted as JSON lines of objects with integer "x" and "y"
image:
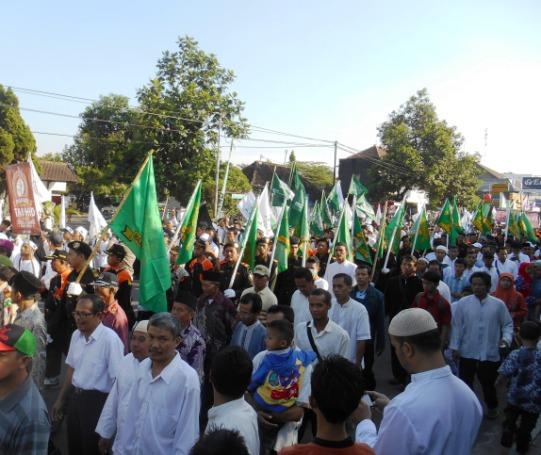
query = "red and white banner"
{"x": 24, "y": 218}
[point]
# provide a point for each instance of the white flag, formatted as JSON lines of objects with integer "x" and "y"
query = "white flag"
{"x": 62, "y": 212}
{"x": 246, "y": 204}
{"x": 379, "y": 215}
{"x": 266, "y": 219}
{"x": 96, "y": 220}
{"x": 41, "y": 193}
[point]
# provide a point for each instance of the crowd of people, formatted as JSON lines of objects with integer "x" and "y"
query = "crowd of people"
{"x": 256, "y": 362}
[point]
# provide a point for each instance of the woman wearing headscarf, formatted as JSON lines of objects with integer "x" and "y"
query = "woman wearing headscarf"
{"x": 514, "y": 300}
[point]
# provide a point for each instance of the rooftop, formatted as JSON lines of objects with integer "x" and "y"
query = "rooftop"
{"x": 56, "y": 171}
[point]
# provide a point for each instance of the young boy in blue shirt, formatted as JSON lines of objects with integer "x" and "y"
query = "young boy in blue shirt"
{"x": 523, "y": 368}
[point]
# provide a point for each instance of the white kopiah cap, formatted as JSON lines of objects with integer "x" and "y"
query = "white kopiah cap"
{"x": 141, "y": 326}
{"x": 412, "y": 321}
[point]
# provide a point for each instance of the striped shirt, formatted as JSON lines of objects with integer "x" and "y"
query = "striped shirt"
{"x": 24, "y": 422}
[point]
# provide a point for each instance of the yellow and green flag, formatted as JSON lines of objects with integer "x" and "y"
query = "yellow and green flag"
{"x": 282, "y": 242}
{"x": 189, "y": 226}
{"x": 421, "y": 236}
{"x": 139, "y": 226}
{"x": 362, "y": 250}
{"x": 445, "y": 218}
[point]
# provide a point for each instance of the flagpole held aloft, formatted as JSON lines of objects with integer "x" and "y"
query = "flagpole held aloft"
{"x": 380, "y": 239}
{"x": 98, "y": 243}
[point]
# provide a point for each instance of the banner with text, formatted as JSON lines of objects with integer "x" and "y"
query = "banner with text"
{"x": 24, "y": 217}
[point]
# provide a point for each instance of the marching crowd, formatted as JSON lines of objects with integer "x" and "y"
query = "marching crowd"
{"x": 255, "y": 362}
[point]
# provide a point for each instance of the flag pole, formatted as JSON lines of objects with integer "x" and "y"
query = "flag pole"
{"x": 333, "y": 246}
{"x": 307, "y": 242}
{"x": 380, "y": 239}
{"x": 416, "y": 232}
{"x": 224, "y": 183}
{"x": 98, "y": 243}
{"x": 165, "y": 207}
{"x": 250, "y": 221}
{"x": 507, "y": 223}
{"x": 179, "y": 227}
{"x": 276, "y": 234}
{"x": 392, "y": 240}
{"x": 354, "y": 207}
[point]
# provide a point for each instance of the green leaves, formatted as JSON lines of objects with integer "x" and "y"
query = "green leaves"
{"x": 425, "y": 152}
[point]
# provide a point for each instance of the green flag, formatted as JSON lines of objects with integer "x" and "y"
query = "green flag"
{"x": 456, "y": 227}
{"x": 477, "y": 219}
{"x": 343, "y": 233}
{"x": 445, "y": 218}
{"x": 365, "y": 209}
{"x": 514, "y": 227}
{"x": 527, "y": 228}
{"x": 335, "y": 200}
{"x": 189, "y": 226}
{"x": 280, "y": 192}
{"x": 488, "y": 219}
{"x": 316, "y": 223}
{"x": 362, "y": 251}
{"x": 302, "y": 230}
{"x": 356, "y": 188}
{"x": 297, "y": 205}
{"x": 250, "y": 238}
{"x": 421, "y": 235}
{"x": 395, "y": 225}
{"x": 324, "y": 210}
{"x": 282, "y": 242}
{"x": 138, "y": 225}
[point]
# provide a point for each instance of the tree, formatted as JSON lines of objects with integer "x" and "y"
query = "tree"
{"x": 16, "y": 139}
{"x": 103, "y": 150}
{"x": 424, "y": 152}
{"x": 191, "y": 103}
{"x": 180, "y": 115}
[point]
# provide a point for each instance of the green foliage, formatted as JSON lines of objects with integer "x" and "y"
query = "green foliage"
{"x": 180, "y": 114}
{"x": 426, "y": 153}
{"x": 16, "y": 139}
{"x": 52, "y": 157}
{"x": 292, "y": 157}
{"x": 318, "y": 175}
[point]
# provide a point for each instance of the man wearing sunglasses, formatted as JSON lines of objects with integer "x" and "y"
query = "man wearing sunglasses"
{"x": 94, "y": 354}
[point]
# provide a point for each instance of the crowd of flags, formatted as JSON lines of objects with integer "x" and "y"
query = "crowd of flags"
{"x": 280, "y": 211}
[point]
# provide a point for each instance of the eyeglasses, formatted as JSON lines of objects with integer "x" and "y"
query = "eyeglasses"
{"x": 82, "y": 315}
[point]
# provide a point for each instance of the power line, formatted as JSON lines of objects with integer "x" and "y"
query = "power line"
{"x": 79, "y": 99}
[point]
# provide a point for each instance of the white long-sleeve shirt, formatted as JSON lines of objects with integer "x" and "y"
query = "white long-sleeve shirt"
{"x": 437, "y": 414}
{"x": 236, "y": 415}
{"x": 353, "y": 317}
{"x": 478, "y": 326}
{"x": 163, "y": 411}
{"x": 113, "y": 414}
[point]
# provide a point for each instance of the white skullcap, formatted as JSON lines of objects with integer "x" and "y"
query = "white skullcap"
{"x": 441, "y": 248}
{"x": 205, "y": 237}
{"x": 141, "y": 326}
{"x": 477, "y": 245}
{"x": 422, "y": 259}
{"x": 412, "y": 321}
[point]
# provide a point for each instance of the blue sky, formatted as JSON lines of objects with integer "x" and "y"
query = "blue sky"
{"x": 332, "y": 70}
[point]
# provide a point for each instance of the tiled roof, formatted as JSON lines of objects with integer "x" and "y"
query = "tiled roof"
{"x": 56, "y": 171}
{"x": 375, "y": 152}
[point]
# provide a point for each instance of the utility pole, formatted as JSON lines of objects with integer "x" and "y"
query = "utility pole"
{"x": 335, "y": 158}
{"x": 217, "y": 183}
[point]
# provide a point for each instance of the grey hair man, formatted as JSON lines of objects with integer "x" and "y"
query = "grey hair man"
{"x": 164, "y": 402}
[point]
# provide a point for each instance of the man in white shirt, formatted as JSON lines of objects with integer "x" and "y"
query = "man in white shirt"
{"x": 304, "y": 281}
{"x": 503, "y": 264}
{"x": 340, "y": 265}
{"x": 164, "y": 400}
{"x": 314, "y": 265}
{"x": 94, "y": 355}
{"x": 481, "y": 324}
{"x": 352, "y": 316}
{"x": 230, "y": 375}
{"x": 517, "y": 255}
{"x": 488, "y": 267}
{"x": 437, "y": 414}
{"x": 261, "y": 276}
{"x": 320, "y": 334}
{"x": 113, "y": 414}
